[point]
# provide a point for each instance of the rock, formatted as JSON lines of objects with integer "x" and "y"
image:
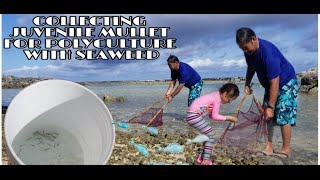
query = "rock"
{"x": 271, "y": 160}
{"x": 142, "y": 161}
{"x": 237, "y": 161}
{"x": 16, "y": 82}
{"x": 181, "y": 141}
{"x": 214, "y": 155}
{"x": 109, "y": 98}
{"x": 189, "y": 160}
{"x": 132, "y": 158}
{"x": 156, "y": 141}
{"x": 309, "y": 81}
{"x": 165, "y": 135}
{"x": 313, "y": 90}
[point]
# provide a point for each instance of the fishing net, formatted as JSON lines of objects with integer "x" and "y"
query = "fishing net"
{"x": 146, "y": 117}
{"x": 249, "y": 132}
{"x": 150, "y": 116}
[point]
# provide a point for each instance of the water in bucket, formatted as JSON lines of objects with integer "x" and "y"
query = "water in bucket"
{"x": 48, "y": 146}
{"x": 47, "y": 141}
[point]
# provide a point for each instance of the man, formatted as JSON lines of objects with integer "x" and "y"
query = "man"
{"x": 186, "y": 76}
{"x": 278, "y": 78}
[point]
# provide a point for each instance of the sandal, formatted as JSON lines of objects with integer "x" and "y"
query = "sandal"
{"x": 199, "y": 159}
{"x": 207, "y": 163}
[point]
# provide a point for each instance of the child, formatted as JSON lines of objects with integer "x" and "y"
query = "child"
{"x": 210, "y": 103}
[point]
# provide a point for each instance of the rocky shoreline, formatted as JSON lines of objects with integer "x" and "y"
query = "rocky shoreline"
{"x": 9, "y": 82}
{"x": 125, "y": 154}
{"x": 309, "y": 81}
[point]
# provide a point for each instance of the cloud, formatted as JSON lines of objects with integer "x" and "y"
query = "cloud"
{"x": 85, "y": 70}
{"x": 190, "y": 26}
{"x": 211, "y": 63}
{"x": 49, "y": 71}
{"x": 233, "y": 62}
{"x": 309, "y": 41}
{"x": 187, "y": 51}
{"x": 202, "y": 63}
{"x": 24, "y": 69}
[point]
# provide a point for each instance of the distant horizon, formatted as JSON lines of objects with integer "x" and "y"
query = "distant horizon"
{"x": 146, "y": 80}
{"x": 117, "y": 80}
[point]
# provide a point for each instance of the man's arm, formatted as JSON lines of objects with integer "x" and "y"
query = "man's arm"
{"x": 274, "y": 91}
{"x": 273, "y": 95}
{"x": 249, "y": 76}
{"x": 170, "y": 88}
{"x": 178, "y": 89}
{"x": 175, "y": 92}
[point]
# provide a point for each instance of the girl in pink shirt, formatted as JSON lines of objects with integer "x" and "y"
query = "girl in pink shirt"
{"x": 210, "y": 104}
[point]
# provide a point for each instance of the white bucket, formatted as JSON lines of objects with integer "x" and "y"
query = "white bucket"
{"x": 63, "y": 105}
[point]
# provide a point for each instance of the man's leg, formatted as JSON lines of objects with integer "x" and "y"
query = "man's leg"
{"x": 286, "y": 117}
{"x": 269, "y": 148}
{"x": 286, "y": 137}
{"x": 194, "y": 92}
{"x": 270, "y": 127}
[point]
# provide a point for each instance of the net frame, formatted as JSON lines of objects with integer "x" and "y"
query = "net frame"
{"x": 152, "y": 113}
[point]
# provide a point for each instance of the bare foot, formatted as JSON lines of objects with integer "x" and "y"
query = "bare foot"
{"x": 268, "y": 150}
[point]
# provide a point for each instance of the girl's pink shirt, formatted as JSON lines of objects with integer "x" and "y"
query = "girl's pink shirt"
{"x": 209, "y": 103}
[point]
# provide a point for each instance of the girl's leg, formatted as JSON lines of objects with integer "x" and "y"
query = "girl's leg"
{"x": 197, "y": 121}
{"x": 208, "y": 145}
{"x": 200, "y": 156}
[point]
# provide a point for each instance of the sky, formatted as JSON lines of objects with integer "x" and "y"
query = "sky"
{"x": 204, "y": 41}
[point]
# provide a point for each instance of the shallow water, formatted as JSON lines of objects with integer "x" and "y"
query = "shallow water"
{"x": 47, "y": 146}
{"x": 304, "y": 135}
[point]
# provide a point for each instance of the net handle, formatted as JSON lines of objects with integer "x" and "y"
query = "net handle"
{"x": 258, "y": 103}
{"x": 154, "y": 117}
{"x": 241, "y": 104}
{"x": 149, "y": 107}
{"x": 238, "y": 109}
